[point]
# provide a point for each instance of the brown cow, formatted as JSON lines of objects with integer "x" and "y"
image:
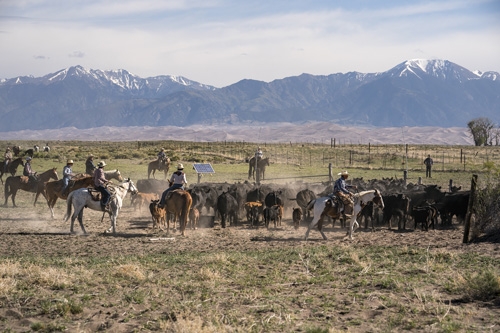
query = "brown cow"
{"x": 253, "y": 209}
{"x": 140, "y": 199}
{"x": 157, "y": 214}
{"x": 296, "y": 217}
{"x": 194, "y": 217}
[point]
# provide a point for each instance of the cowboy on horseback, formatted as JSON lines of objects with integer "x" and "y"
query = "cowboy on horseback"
{"x": 89, "y": 165}
{"x": 67, "y": 174}
{"x": 178, "y": 180}
{"x": 162, "y": 157}
{"x": 28, "y": 172}
{"x": 100, "y": 183}
{"x": 7, "y": 159}
{"x": 340, "y": 191}
{"x": 259, "y": 154}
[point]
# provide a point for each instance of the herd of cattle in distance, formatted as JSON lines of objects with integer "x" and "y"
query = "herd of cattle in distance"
{"x": 421, "y": 206}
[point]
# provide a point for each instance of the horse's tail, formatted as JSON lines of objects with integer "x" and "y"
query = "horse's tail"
{"x": 187, "y": 208}
{"x": 310, "y": 205}
{"x": 69, "y": 203}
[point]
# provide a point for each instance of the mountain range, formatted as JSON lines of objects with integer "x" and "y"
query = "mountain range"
{"x": 414, "y": 93}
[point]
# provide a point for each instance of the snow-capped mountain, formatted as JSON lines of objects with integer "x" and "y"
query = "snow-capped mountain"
{"x": 416, "y": 92}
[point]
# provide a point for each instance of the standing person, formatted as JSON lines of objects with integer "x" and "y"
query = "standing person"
{"x": 7, "y": 159}
{"x": 67, "y": 174}
{"x": 178, "y": 180}
{"x": 259, "y": 154}
{"x": 28, "y": 171}
{"x": 340, "y": 190}
{"x": 89, "y": 165}
{"x": 428, "y": 166}
{"x": 162, "y": 157}
{"x": 100, "y": 184}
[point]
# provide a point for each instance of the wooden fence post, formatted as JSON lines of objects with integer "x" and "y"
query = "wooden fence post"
{"x": 470, "y": 207}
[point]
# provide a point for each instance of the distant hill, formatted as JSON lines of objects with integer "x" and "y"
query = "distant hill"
{"x": 413, "y": 93}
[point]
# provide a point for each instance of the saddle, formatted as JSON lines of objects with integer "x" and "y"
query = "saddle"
{"x": 335, "y": 201}
{"x": 96, "y": 195}
{"x": 24, "y": 179}
{"x": 169, "y": 194}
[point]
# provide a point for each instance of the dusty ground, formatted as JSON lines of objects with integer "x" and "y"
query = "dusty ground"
{"x": 28, "y": 231}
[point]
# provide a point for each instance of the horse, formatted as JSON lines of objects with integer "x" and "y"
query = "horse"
{"x": 12, "y": 167}
{"x": 154, "y": 165}
{"x": 16, "y": 150}
{"x": 53, "y": 190}
{"x": 29, "y": 152}
{"x": 46, "y": 149}
{"x": 81, "y": 198}
{"x": 15, "y": 183}
{"x": 261, "y": 167}
{"x": 113, "y": 174}
{"x": 178, "y": 203}
{"x": 323, "y": 207}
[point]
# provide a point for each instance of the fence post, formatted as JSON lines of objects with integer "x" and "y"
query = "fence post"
{"x": 330, "y": 175}
{"x": 470, "y": 206}
{"x": 450, "y": 185}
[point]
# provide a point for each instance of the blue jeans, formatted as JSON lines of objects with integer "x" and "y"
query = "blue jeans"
{"x": 105, "y": 195}
{"x": 65, "y": 184}
{"x": 164, "y": 194}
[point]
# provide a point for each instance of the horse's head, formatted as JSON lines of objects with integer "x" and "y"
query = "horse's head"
{"x": 131, "y": 186}
{"x": 377, "y": 199}
{"x": 54, "y": 175}
{"x": 119, "y": 176}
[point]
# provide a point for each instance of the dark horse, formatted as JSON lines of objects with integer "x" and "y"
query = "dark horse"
{"x": 53, "y": 190}
{"x": 261, "y": 167}
{"x": 15, "y": 183}
{"x": 12, "y": 167}
{"x": 156, "y": 165}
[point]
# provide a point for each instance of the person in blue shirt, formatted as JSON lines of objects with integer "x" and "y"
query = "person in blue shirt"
{"x": 340, "y": 190}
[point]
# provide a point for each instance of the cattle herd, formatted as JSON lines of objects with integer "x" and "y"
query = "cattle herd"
{"x": 407, "y": 206}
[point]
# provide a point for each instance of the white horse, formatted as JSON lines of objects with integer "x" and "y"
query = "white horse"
{"x": 321, "y": 209}
{"x": 81, "y": 198}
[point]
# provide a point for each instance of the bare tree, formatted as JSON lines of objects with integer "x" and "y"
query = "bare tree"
{"x": 481, "y": 130}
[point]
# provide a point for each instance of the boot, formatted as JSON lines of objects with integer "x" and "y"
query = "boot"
{"x": 105, "y": 208}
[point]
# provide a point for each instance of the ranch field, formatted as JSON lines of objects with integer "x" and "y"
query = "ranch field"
{"x": 238, "y": 279}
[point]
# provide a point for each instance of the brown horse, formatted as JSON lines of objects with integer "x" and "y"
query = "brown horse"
{"x": 156, "y": 165}
{"x": 261, "y": 167}
{"x": 15, "y": 183}
{"x": 12, "y": 167}
{"x": 178, "y": 203}
{"x": 53, "y": 190}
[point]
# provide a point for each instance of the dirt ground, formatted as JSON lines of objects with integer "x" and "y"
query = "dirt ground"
{"x": 26, "y": 231}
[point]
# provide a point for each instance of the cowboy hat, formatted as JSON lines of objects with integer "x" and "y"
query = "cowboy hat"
{"x": 101, "y": 164}
{"x": 28, "y": 158}
{"x": 343, "y": 173}
{"x": 180, "y": 166}
{"x": 69, "y": 162}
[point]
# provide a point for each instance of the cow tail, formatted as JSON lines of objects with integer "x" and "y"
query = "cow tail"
{"x": 69, "y": 203}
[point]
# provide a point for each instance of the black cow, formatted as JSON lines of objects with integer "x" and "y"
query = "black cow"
{"x": 453, "y": 204}
{"x": 367, "y": 214}
{"x": 303, "y": 198}
{"x": 424, "y": 216}
{"x": 204, "y": 196}
{"x": 396, "y": 206}
{"x": 227, "y": 207}
{"x": 273, "y": 198}
{"x": 256, "y": 195}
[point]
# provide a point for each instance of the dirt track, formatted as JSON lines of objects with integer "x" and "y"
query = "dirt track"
{"x": 27, "y": 231}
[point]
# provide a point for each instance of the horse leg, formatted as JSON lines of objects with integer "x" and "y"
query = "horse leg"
{"x": 310, "y": 226}
{"x": 80, "y": 220}
{"x": 320, "y": 227}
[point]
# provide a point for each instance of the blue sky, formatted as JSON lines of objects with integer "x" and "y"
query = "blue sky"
{"x": 220, "y": 42}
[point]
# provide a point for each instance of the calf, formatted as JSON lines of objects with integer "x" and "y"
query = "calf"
{"x": 296, "y": 217}
{"x": 140, "y": 199}
{"x": 272, "y": 214}
{"x": 194, "y": 218}
{"x": 253, "y": 209}
{"x": 157, "y": 214}
{"x": 424, "y": 216}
